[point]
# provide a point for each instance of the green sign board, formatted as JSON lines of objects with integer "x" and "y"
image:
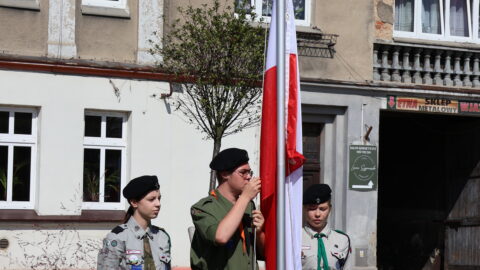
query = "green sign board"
{"x": 363, "y": 169}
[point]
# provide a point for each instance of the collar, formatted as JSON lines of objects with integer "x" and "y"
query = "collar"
{"x": 221, "y": 198}
{"x": 310, "y": 232}
{"x": 137, "y": 230}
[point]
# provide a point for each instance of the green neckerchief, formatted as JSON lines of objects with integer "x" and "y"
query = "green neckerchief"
{"x": 321, "y": 253}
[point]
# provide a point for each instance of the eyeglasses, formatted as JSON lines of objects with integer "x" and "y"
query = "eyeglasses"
{"x": 245, "y": 173}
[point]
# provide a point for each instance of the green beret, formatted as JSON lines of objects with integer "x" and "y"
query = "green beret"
{"x": 317, "y": 194}
{"x": 140, "y": 186}
{"x": 229, "y": 159}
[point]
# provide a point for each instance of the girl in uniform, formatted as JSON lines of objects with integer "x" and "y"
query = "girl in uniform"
{"x": 137, "y": 244}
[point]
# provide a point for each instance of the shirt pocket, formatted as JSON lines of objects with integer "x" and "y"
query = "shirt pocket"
{"x": 309, "y": 258}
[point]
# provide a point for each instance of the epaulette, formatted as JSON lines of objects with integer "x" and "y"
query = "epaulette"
{"x": 165, "y": 232}
{"x": 118, "y": 229}
{"x": 196, "y": 208}
{"x": 156, "y": 229}
{"x": 204, "y": 201}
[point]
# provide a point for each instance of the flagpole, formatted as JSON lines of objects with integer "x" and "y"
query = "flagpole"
{"x": 280, "y": 43}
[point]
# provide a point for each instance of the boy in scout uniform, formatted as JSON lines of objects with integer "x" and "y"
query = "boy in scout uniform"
{"x": 226, "y": 220}
{"x": 322, "y": 247}
{"x": 137, "y": 244}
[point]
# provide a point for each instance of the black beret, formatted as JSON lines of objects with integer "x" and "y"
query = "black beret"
{"x": 229, "y": 159}
{"x": 140, "y": 186}
{"x": 316, "y": 194}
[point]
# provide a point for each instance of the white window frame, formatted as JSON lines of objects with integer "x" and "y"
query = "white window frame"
{"x": 27, "y": 4}
{"x": 267, "y": 19}
{"x": 475, "y": 26}
{"x": 11, "y": 140}
{"x": 108, "y": 8}
{"x": 444, "y": 22}
{"x": 103, "y": 143}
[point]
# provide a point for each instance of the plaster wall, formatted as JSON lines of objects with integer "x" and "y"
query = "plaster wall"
{"x": 384, "y": 18}
{"x": 353, "y": 22}
{"x": 23, "y": 31}
{"x": 160, "y": 142}
{"x": 107, "y": 38}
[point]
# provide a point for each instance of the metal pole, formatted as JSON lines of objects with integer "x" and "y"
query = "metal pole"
{"x": 280, "y": 42}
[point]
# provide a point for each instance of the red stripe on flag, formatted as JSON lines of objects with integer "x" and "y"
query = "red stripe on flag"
{"x": 294, "y": 159}
{"x": 268, "y": 165}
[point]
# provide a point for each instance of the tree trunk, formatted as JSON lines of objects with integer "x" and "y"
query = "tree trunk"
{"x": 217, "y": 143}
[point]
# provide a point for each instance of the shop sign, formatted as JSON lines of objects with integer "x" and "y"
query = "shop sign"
{"x": 435, "y": 105}
{"x": 363, "y": 169}
{"x": 469, "y": 107}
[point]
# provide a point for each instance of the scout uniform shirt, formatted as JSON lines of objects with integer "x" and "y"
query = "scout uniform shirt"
{"x": 336, "y": 246}
{"x": 237, "y": 253}
{"x": 123, "y": 248}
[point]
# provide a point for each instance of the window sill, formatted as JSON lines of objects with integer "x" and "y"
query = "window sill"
{"x": 99, "y": 8}
{"x": 26, "y": 4}
{"x": 439, "y": 43}
{"x": 94, "y": 216}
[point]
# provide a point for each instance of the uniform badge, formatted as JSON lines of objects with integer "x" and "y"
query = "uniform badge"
{"x": 132, "y": 251}
{"x": 113, "y": 243}
{"x": 105, "y": 243}
{"x": 306, "y": 247}
{"x": 136, "y": 267}
{"x": 133, "y": 260}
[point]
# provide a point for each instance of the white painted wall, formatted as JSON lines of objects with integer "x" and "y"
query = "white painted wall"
{"x": 160, "y": 142}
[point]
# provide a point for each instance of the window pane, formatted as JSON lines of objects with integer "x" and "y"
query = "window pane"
{"x": 91, "y": 175}
{"x": 23, "y": 123}
{"x": 431, "y": 17}
{"x": 93, "y": 126}
{"x": 113, "y": 167}
{"x": 299, "y": 9}
{"x": 4, "y": 122}
{"x": 3, "y": 172}
{"x": 114, "y": 127}
{"x": 266, "y": 7}
{"x": 404, "y": 15}
{"x": 458, "y": 18}
{"x": 21, "y": 173}
{"x": 243, "y": 5}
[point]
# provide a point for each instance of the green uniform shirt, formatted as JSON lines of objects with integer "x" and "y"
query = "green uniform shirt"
{"x": 205, "y": 253}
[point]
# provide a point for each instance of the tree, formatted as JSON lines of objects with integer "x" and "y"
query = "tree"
{"x": 216, "y": 55}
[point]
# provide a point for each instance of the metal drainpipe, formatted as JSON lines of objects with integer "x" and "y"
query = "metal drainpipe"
{"x": 163, "y": 95}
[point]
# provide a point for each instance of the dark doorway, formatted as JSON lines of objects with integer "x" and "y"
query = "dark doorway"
{"x": 311, "y": 151}
{"x": 428, "y": 216}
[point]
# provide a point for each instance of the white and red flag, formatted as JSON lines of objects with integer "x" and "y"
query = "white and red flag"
{"x": 293, "y": 147}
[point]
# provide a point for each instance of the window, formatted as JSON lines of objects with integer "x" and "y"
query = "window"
{"x": 104, "y": 152}
{"x": 27, "y": 4}
{"x": 18, "y": 147}
{"x": 449, "y": 20}
{"x": 112, "y": 8}
{"x": 302, "y": 9}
